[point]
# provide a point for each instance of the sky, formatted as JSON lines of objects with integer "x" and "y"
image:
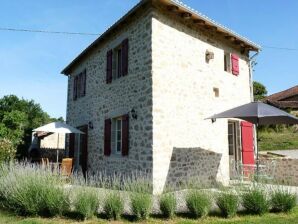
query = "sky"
{"x": 31, "y": 62}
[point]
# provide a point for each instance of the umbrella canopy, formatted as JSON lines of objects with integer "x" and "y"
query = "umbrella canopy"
{"x": 258, "y": 113}
{"x": 58, "y": 127}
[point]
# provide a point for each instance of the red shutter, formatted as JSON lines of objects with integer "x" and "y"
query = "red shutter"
{"x": 235, "y": 64}
{"x": 125, "y": 57}
{"x": 107, "y": 137}
{"x": 125, "y": 135}
{"x": 75, "y": 88}
{"x": 71, "y": 146}
{"x": 109, "y": 66}
{"x": 247, "y": 143}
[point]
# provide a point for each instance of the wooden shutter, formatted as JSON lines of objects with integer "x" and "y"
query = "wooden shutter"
{"x": 109, "y": 66}
{"x": 79, "y": 90}
{"x": 125, "y": 57}
{"x": 84, "y": 82}
{"x": 71, "y": 146}
{"x": 125, "y": 135}
{"x": 75, "y": 88}
{"x": 235, "y": 64}
{"x": 247, "y": 143}
{"x": 107, "y": 137}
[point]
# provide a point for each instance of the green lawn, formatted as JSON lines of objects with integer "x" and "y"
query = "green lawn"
{"x": 6, "y": 218}
{"x": 278, "y": 140}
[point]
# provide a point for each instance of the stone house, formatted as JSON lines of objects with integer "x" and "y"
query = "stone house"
{"x": 143, "y": 90}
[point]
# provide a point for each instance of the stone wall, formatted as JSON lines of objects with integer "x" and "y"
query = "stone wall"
{"x": 192, "y": 164}
{"x": 103, "y": 101}
{"x": 283, "y": 170}
{"x": 183, "y": 93}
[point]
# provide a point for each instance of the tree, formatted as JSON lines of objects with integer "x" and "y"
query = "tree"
{"x": 18, "y": 117}
{"x": 260, "y": 91}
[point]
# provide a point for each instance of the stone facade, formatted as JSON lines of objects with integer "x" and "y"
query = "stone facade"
{"x": 183, "y": 95}
{"x": 104, "y": 101}
{"x": 171, "y": 87}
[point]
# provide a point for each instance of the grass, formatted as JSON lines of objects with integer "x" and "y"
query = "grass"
{"x": 270, "y": 218}
{"x": 272, "y": 140}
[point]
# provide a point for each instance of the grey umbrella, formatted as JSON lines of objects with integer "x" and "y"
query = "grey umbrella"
{"x": 258, "y": 113}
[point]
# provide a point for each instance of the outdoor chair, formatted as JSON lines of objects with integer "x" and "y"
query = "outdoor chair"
{"x": 45, "y": 162}
{"x": 66, "y": 167}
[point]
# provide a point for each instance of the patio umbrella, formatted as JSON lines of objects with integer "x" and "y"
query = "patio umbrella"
{"x": 60, "y": 128}
{"x": 258, "y": 113}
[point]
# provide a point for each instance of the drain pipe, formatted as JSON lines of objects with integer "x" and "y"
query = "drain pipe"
{"x": 251, "y": 64}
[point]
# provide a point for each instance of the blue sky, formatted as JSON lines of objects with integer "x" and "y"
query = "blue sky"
{"x": 31, "y": 62}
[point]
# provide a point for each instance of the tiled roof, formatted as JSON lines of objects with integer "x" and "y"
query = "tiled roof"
{"x": 283, "y": 94}
{"x": 184, "y": 8}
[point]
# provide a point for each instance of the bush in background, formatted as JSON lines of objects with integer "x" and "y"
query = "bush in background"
{"x": 282, "y": 200}
{"x": 255, "y": 200}
{"x": 141, "y": 204}
{"x": 7, "y": 150}
{"x": 113, "y": 206}
{"x": 167, "y": 205}
{"x": 199, "y": 203}
{"x": 228, "y": 203}
{"x": 86, "y": 203}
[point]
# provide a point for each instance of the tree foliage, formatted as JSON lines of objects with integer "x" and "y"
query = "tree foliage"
{"x": 18, "y": 117}
{"x": 260, "y": 91}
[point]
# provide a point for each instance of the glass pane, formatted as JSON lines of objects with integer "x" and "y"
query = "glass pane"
{"x": 118, "y": 135}
{"x": 119, "y": 125}
{"x": 118, "y": 146}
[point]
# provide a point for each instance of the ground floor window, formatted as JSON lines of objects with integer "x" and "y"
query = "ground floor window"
{"x": 116, "y": 135}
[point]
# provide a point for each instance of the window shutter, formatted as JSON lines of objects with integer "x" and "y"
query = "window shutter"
{"x": 79, "y": 84}
{"x": 84, "y": 82}
{"x": 125, "y": 57}
{"x": 235, "y": 64}
{"x": 107, "y": 137}
{"x": 75, "y": 88}
{"x": 109, "y": 66}
{"x": 125, "y": 135}
{"x": 71, "y": 146}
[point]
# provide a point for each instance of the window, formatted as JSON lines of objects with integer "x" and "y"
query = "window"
{"x": 79, "y": 85}
{"x": 227, "y": 61}
{"x": 232, "y": 137}
{"x": 117, "y": 62}
{"x": 116, "y": 135}
{"x": 231, "y": 63}
{"x": 216, "y": 92}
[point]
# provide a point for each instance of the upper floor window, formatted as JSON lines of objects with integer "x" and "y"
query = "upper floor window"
{"x": 231, "y": 63}
{"x": 79, "y": 85}
{"x": 117, "y": 62}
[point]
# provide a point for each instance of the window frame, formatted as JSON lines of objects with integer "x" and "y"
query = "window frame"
{"x": 115, "y": 138}
{"x": 227, "y": 62}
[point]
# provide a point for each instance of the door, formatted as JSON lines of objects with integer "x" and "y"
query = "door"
{"x": 234, "y": 149}
{"x": 248, "y": 157}
{"x": 83, "y": 156}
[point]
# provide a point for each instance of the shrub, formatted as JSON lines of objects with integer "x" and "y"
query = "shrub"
{"x": 86, "y": 203}
{"x": 113, "y": 206}
{"x": 198, "y": 203}
{"x": 228, "y": 203}
{"x": 168, "y": 205}
{"x": 141, "y": 204}
{"x": 7, "y": 150}
{"x": 282, "y": 200}
{"x": 255, "y": 201}
{"x": 30, "y": 190}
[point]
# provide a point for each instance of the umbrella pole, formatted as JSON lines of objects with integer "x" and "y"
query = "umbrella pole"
{"x": 58, "y": 149}
{"x": 258, "y": 162}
